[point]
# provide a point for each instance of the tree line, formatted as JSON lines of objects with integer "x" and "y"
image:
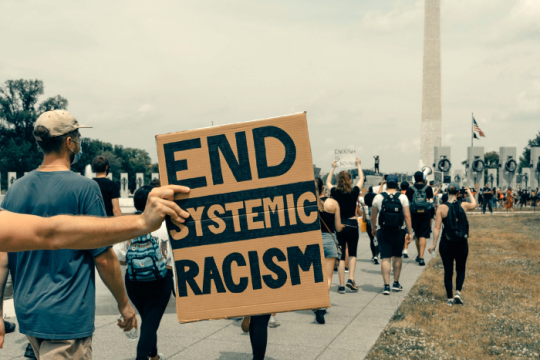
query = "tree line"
{"x": 19, "y": 110}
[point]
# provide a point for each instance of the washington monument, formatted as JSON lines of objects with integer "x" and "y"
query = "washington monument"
{"x": 431, "y": 85}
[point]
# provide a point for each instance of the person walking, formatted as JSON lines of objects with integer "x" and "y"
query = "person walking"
{"x": 404, "y": 186}
{"x": 329, "y": 214}
{"x": 509, "y": 200}
{"x": 346, "y": 195}
{"x": 109, "y": 189}
{"x": 454, "y": 247}
{"x": 487, "y": 195}
{"x": 60, "y": 323}
{"x": 149, "y": 278}
{"x": 420, "y": 196}
{"x": 391, "y": 216}
{"x": 373, "y": 245}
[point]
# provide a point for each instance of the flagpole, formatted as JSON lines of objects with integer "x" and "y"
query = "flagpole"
{"x": 472, "y": 130}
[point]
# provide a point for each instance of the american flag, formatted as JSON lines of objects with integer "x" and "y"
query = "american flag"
{"x": 477, "y": 128}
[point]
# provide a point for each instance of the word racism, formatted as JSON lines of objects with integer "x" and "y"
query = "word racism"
{"x": 253, "y": 242}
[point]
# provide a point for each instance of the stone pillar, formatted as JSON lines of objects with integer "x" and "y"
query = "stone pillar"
{"x": 458, "y": 177}
{"x": 535, "y": 167}
{"x": 431, "y": 127}
{"x": 475, "y": 160}
{"x": 492, "y": 175}
{"x": 443, "y": 162}
{"x": 507, "y": 167}
{"x": 124, "y": 185}
{"x": 12, "y": 177}
{"x": 139, "y": 180}
{"x": 155, "y": 176}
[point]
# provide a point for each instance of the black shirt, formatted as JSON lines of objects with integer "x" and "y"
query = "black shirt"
{"x": 347, "y": 202}
{"x": 487, "y": 196}
{"x": 328, "y": 219}
{"x": 109, "y": 190}
{"x": 419, "y": 186}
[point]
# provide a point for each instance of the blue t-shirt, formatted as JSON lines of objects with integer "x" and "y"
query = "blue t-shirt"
{"x": 54, "y": 291}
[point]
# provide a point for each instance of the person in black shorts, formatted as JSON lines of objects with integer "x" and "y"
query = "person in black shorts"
{"x": 347, "y": 196}
{"x": 391, "y": 240}
{"x": 421, "y": 223}
{"x": 368, "y": 200}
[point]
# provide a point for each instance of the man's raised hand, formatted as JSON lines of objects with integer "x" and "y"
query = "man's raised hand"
{"x": 161, "y": 203}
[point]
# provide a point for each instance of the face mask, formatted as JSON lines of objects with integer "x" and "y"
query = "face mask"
{"x": 76, "y": 157}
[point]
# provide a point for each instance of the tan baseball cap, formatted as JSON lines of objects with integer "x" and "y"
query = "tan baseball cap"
{"x": 55, "y": 123}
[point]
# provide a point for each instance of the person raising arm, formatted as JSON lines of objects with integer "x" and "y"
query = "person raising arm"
{"x": 360, "y": 182}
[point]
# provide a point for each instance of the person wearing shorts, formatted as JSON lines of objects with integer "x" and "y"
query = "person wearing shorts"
{"x": 329, "y": 214}
{"x": 391, "y": 241}
{"x": 347, "y": 196}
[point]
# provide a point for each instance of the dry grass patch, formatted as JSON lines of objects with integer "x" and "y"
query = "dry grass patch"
{"x": 501, "y": 315}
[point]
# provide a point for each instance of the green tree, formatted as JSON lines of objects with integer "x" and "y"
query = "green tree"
{"x": 19, "y": 110}
{"x": 525, "y": 159}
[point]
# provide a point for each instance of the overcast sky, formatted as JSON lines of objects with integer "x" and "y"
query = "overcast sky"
{"x": 134, "y": 69}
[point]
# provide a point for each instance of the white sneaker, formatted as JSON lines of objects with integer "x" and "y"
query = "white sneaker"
{"x": 450, "y": 302}
{"x": 273, "y": 323}
{"x": 161, "y": 356}
{"x": 457, "y": 298}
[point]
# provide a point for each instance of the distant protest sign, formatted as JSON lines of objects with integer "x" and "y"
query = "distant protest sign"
{"x": 253, "y": 243}
{"x": 438, "y": 177}
{"x": 345, "y": 158}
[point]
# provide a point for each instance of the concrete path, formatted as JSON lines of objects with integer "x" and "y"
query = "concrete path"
{"x": 353, "y": 325}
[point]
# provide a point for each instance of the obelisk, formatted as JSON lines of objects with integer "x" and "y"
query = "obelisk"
{"x": 431, "y": 133}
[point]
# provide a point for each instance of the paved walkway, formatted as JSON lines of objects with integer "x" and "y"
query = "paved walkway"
{"x": 353, "y": 325}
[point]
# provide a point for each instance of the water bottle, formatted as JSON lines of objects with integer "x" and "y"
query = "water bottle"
{"x": 132, "y": 334}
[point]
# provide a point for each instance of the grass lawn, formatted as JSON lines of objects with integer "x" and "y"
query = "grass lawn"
{"x": 501, "y": 315}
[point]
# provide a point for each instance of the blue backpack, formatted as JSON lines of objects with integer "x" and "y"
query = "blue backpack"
{"x": 144, "y": 259}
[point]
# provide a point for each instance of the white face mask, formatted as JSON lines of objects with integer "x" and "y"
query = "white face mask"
{"x": 78, "y": 155}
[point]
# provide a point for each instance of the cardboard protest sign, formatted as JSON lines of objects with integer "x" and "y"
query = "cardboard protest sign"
{"x": 345, "y": 157}
{"x": 437, "y": 177}
{"x": 253, "y": 243}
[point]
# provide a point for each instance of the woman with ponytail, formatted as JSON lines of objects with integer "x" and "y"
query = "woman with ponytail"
{"x": 330, "y": 224}
{"x": 346, "y": 196}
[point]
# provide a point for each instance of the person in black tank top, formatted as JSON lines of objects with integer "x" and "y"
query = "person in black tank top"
{"x": 346, "y": 196}
{"x": 452, "y": 251}
{"x": 329, "y": 214}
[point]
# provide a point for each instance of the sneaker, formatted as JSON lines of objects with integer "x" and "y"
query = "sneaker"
{"x": 405, "y": 254}
{"x": 375, "y": 260}
{"x": 450, "y": 302}
{"x": 9, "y": 327}
{"x": 397, "y": 286}
{"x": 341, "y": 290}
{"x": 421, "y": 262}
{"x": 346, "y": 269}
{"x": 245, "y": 324}
{"x": 319, "y": 316}
{"x": 417, "y": 258}
{"x": 161, "y": 356}
{"x": 386, "y": 290}
{"x": 352, "y": 285}
{"x": 29, "y": 352}
{"x": 457, "y": 299}
{"x": 273, "y": 323}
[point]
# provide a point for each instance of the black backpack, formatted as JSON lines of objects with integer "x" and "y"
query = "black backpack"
{"x": 391, "y": 215}
{"x": 457, "y": 225}
{"x": 420, "y": 203}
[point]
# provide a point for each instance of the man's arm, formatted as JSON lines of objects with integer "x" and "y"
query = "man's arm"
{"x": 28, "y": 232}
{"x": 407, "y": 213}
{"x": 374, "y": 213}
{"x": 109, "y": 270}
{"x": 116, "y": 207}
{"x": 360, "y": 182}
{"x": 3, "y": 279}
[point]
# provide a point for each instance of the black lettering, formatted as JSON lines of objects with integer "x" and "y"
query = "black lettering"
{"x": 211, "y": 272}
{"x": 268, "y": 258}
{"x": 240, "y": 169}
{"x": 187, "y": 277}
{"x": 255, "y": 269}
{"x": 304, "y": 260}
{"x": 265, "y": 171}
{"x": 174, "y": 166}
{"x": 227, "y": 273}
